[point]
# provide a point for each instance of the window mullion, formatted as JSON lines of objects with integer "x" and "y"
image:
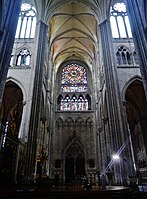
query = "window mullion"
{"x": 123, "y": 17}
{"x": 31, "y": 27}
{"x": 26, "y": 27}
{"x": 126, "y": 58}
{"x": 121, "y": 58}
{"x": 133, "y": 58}
{"x": 22, "y": 18}
{"x": 117, "y": 26}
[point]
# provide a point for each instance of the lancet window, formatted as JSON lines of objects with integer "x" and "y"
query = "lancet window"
{"x": 23, "y": 58}
{"x": 27, "y": 22}
{"x": 119, "y": 20}
{"x": 74, "y": 104}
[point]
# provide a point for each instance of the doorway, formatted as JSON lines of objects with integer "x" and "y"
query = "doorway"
{"x": 74, "y": 161}
{"x": 74, "y": 168}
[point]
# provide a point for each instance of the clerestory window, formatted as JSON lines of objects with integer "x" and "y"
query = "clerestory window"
{"x": 27, "y": 22}
{"x": 74, "y": 104}
{"x": 119, "y": 20}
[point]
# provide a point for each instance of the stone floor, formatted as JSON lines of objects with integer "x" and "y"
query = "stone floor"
{"x": 73, "y": 192}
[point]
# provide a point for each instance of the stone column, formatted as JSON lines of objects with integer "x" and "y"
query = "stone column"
{"x": 139, "y": 36}
{"x": 36, "y": 100}
{"x": 115, "y": 113}
{"x": 112, "y": 87}
{"x": 8, "y": 23}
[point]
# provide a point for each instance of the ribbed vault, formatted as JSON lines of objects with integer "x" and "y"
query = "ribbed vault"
{"x": 73, "y": 33}
{"x": 73, "y": 28}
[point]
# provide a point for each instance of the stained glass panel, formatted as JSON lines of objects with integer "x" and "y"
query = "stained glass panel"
{"x": 74, "y": 104}
{"x": 74, "y": 78}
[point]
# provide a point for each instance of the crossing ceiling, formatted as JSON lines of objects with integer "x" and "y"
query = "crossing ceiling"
{"x": 73, "y": 28}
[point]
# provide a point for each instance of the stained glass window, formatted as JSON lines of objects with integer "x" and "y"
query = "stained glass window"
{"x": 74, "y": 78}
{"x": 74, "y": 104}
{"x": 73, "y": 88}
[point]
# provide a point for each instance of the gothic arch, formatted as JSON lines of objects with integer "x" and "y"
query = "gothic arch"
{"x": 22, "y": 47}
{"x": 88, "y": 97}
{"x": 59, "y": 122}
{"x": 136, "y": 77}
{"x": 74, "y": 149}
{"x": 24, "y": 102}
{"x": 118, "y": 15}
{"x": 74, "y": 160}
{"x": 135, "y": 93}
{"x": 82, "y": 63}
{"x": 73, "y": 87}
{"x": 79, "y": 121}
{"x": 11, "y": 122}
{"x": 28, "y": 17}
{"x": 13, "y": 105}
{"x": 136, "y": 111}
{"x": 89, "y": 121}
{"x": 23, "y": 57}
{"x": 59, "y": 100}
{"x": 69, "y": 121}
{"x": 20, "y": 85}
{"x": 124, "y": 56}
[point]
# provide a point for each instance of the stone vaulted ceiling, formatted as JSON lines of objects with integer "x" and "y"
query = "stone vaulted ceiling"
{"x": 73, "y": 28}
{"x": 73, "y": 33}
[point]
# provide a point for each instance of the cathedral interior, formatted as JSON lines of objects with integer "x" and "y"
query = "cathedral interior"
{"x": 73, "y": 88}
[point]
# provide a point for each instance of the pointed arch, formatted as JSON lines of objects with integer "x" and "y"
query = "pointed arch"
{"x": 124, "y": 56}
{"x": 74, "y": 83}
{"x": 79, "y": 120}
{"x": 74, "y": 156}
{"x": 120, "y": 24}
{"x": 12, "y": 79}
{"x": 13, "y": 107}
{"x": 60, "y": 104}
{"x": 23, "y": 57}
{"x": 89, "y": 121}
{"x": 88, "y": 100}
{"x": 130, "y": 81}
{"x": 74, "y": 149}
{"x": 136, "y": 110}
{"x": 69, "y": 121}
{"x": 59, "y": 122}
{"x": 27, "y": 22}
